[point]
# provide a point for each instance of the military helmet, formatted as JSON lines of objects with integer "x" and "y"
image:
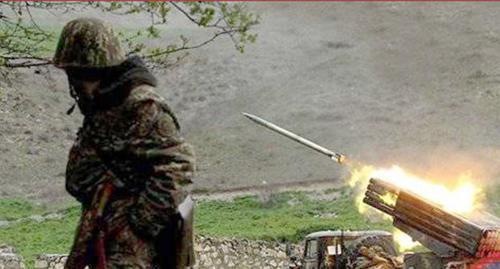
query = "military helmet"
{"x": 89, "y": 43}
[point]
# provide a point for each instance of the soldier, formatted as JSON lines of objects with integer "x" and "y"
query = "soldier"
{"x": 128, "y": 164}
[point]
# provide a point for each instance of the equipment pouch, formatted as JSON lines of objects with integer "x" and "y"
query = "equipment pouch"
{"x": 185, "y": 242}
{"x": 175, "y": 243}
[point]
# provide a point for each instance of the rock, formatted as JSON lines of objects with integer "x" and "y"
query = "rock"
{"x": 41, "y": 264}
{"x": 11, "y": 261}
{"x": 37, "y": 218}
{"x": 7, "y": 249}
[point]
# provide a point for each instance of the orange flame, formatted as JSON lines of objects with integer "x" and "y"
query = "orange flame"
{"x": 460, "y": 199}
{"x": 404, "y": 241}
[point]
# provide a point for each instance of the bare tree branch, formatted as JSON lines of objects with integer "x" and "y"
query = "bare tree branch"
{"x": 22, "y": 39}
{"x": 185, "y": 47}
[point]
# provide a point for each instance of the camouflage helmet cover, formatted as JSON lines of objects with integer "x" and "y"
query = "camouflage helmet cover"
{"x": 87, "y": 42}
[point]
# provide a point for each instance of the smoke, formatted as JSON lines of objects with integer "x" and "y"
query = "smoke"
{"x": 444, "y": 164}
{"x": 455, "y": 189}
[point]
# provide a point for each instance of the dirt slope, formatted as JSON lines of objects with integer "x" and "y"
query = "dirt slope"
{"x": 410, "y": 84}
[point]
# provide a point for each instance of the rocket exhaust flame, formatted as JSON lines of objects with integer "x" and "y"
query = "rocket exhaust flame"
{"x": 404, "y": 241}
{"x": 462, "y": 198}
{"x": 444, "y": 232}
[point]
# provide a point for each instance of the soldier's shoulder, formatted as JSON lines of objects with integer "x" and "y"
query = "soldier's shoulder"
{"x": 147, "y": 94}
{"x": 143, "y": 93}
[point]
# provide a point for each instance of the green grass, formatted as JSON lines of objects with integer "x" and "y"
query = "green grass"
{"x": 285, "y": 216}
{"x": 31, "y": 238}
{"x": 12, "y": 209}
{"x": 15, "y": 209}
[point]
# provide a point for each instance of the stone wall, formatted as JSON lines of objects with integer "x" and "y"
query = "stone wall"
{"x": 211, "y": 253}
{"x": 53, "y": 261}
{"x": 9, "y": 259}
{"x": 231, "y": 253}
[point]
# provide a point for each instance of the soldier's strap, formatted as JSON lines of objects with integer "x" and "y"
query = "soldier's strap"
{"x": 100, "y": 248}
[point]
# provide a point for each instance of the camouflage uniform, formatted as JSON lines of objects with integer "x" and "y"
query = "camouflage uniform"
{"x": 128, "y": 164}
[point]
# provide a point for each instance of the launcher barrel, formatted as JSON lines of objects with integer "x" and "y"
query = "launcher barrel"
{"x": 434, "y": 227}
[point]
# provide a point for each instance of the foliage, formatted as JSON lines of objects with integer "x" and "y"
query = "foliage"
{"x": 23, "y": 41}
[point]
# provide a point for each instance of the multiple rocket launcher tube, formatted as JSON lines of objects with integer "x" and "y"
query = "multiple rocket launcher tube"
{"x": 432, "y": 226}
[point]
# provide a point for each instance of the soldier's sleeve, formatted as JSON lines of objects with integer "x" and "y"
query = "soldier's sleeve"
{"x": 155, "y": 140}
{"x": 84, "y": 172}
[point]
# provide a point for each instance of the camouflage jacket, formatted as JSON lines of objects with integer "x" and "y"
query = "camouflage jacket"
{"x": 137, "y": 146}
